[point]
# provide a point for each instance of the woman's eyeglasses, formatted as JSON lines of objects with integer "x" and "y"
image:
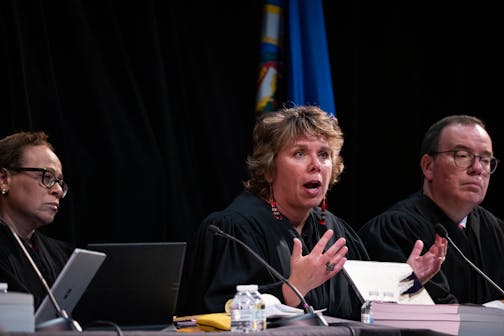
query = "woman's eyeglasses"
{"x": 48, "y": 178}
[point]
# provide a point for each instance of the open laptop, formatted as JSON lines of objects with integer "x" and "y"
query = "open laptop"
{"x": 136, "y": 288}
{"x": 70, "y": 284}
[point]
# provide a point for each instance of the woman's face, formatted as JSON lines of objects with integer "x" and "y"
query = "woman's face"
{"x": 302, "y": 175}
{"x": 29, "y": 201}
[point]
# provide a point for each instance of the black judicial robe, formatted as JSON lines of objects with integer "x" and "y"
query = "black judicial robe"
{"x": 390, "y": 237}
{"x": 215, "y": 265}
{"x": 50, "y": 255}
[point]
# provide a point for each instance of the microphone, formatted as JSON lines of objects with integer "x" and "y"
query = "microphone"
{"x": 309, "y": 318}
{"x": 441, "y": 231}
{"x": 63, "y": 322}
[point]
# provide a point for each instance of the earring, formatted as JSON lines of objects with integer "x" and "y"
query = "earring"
{"x": 323, "y": 206}
{"x": 274, "y": 208}
{"x": 4, "y": 192}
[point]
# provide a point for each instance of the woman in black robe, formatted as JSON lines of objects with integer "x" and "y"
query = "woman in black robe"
{"x": 282, "y": 216}
{"x": 31, "y": 188}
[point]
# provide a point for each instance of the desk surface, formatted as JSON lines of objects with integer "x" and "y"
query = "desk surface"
{"x": 337, "y": 327}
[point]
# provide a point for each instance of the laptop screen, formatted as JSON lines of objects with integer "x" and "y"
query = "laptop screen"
{"x": 136, "y": 287}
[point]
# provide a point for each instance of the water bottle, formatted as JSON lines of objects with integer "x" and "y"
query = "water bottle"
{"x": 243, "y": 310}
{"x": 376, "y": 296}
{"x": 366, "y": 314}
{"x": 260, "y": 319}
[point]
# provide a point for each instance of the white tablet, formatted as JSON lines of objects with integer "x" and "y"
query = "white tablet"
{"x": 71, "y": 283}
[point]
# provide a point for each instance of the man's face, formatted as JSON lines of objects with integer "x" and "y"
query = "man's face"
{"x": 456, "y": 185}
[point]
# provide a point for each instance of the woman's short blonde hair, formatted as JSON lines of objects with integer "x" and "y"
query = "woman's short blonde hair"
{"x": 273, "y": 130}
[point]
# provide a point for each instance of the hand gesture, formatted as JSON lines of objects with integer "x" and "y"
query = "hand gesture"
{"x": 426, "y": 266}
{"x": 312, "y": 270}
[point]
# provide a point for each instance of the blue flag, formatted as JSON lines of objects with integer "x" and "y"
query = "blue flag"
{"x": 309, "y": 72}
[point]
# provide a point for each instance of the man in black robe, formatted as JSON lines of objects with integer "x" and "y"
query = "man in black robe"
{"x": 456, "y": 161}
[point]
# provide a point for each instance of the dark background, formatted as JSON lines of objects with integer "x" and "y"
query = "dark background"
{"x": 150, "y": 104}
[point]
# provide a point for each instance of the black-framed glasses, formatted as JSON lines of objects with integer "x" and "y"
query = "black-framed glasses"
{"x": 465, "y": 159}
{"x": 48, "y": 178}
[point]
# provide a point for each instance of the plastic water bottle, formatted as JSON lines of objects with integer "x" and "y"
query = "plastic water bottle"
{"x": 260, "y": 318}
{"x": 243, "y": 310}
{"x": 366, "y": 314}
{"x": 387, "y": 295}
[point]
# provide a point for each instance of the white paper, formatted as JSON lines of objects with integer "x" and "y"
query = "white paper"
{"x": 382, "y": 281}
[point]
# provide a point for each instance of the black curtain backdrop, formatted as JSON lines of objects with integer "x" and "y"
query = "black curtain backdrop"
{"x": 150, "y": 104}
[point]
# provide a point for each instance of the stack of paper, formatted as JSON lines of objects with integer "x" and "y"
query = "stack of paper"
{"x": 453, "y": 319}
{"x": 399, "y": 300}
{"x": 16, "y": 312}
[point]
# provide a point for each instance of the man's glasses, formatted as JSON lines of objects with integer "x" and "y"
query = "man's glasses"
{"x": 48, "y": 178}
{"x": 465, "y": 159}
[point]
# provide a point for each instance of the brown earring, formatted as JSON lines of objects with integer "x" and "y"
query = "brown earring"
{"x": 323, "y": 206}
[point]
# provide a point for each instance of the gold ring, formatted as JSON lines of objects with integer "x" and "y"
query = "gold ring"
{"x": 329, "y": 267}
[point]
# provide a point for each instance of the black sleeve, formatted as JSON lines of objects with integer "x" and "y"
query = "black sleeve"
{"x": 356, "y": 248}
{"x": 50, "y": 256}
{"x": 214, "y": 265}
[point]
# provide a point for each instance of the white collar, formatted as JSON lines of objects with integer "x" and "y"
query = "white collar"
{"x": 463, "y": 222}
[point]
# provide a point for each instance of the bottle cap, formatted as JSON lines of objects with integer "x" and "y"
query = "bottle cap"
{"x": 242, "y": 288}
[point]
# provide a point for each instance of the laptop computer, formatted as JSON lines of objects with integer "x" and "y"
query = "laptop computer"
{"x": 70, "y": 284}
{"x": 136, "y": 288}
